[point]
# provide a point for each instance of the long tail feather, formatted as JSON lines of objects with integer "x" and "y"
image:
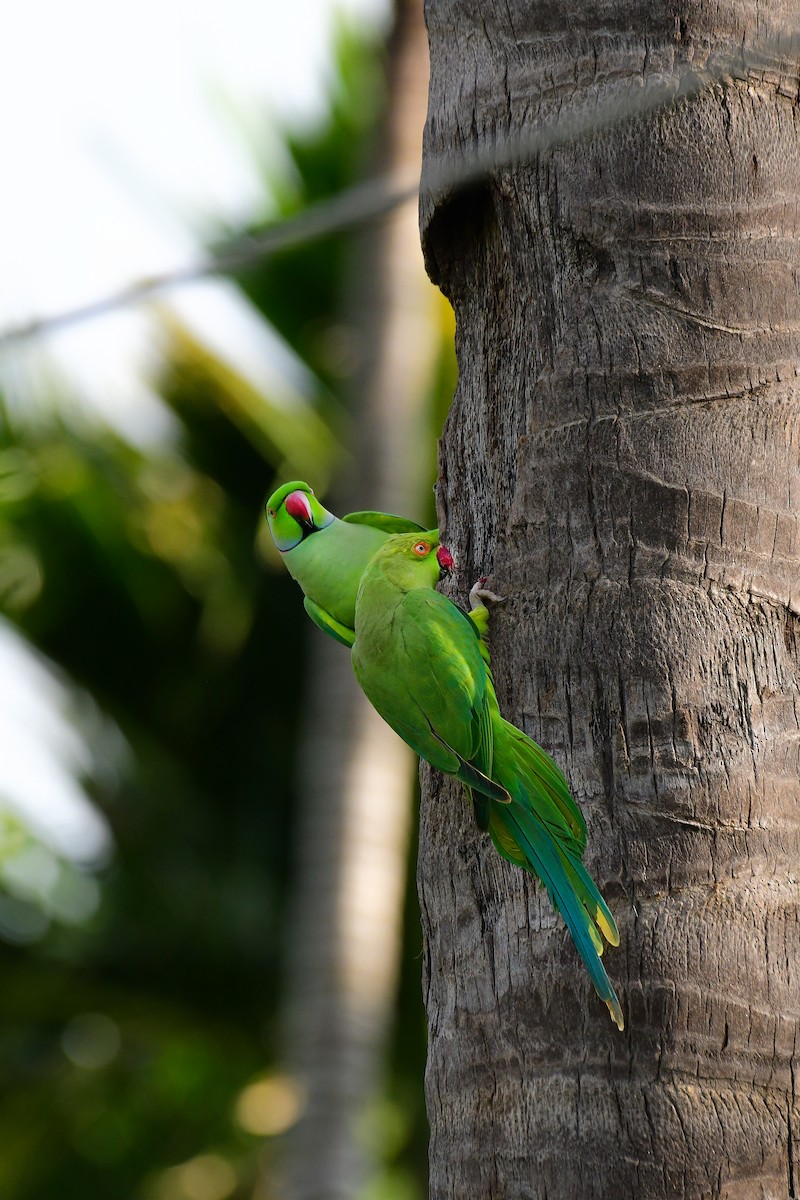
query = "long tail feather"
{"x": 589, "y": 896}
{"x": 543, "y": 780}
{"x": 524, "y": 840}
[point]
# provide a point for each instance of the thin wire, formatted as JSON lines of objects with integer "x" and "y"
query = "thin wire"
{"x": 364, "y": 202}
{"x": 376, "y": 198}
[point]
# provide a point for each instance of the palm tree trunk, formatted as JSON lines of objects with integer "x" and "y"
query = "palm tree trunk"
{"x": 623, "y": 455}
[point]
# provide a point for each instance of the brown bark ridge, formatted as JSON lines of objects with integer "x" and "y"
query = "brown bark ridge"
{"x": 623, "y": 455}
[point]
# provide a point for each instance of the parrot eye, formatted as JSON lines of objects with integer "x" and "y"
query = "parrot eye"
{"x": 422, "y": 548}
{"x": 271, "y": 512}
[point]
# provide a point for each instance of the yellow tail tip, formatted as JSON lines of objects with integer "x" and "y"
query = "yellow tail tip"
{"x": 606, "y": 927}
{"x": 614, "y": 1008}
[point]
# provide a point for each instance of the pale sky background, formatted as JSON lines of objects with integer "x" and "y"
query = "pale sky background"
{"x": 127, "y": 134}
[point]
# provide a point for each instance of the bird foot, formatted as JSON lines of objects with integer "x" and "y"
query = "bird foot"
{"x": 479, "y": 593}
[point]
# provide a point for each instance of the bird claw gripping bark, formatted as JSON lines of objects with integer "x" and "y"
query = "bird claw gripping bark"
{"x": 479, "y": 613}
{"x": 478, "y": 593}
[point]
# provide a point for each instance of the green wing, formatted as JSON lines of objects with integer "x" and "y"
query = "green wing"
{"x": 442, "y": 696}
{"x": 328, "y": 624}
{"x": 387, "y": 522}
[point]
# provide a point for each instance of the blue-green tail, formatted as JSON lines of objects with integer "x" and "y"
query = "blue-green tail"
{"x": 543, "y": 831}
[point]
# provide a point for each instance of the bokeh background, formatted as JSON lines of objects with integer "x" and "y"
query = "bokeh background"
{"x": 162, "y": 694}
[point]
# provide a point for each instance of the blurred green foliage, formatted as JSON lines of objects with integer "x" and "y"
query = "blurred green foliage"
{"x": 137, "y": 1035}
{"x": 150, "y": 597}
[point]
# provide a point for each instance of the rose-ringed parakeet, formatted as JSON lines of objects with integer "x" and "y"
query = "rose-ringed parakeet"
{"x": 327, "y": 555}
{"x": 419, "y": 658}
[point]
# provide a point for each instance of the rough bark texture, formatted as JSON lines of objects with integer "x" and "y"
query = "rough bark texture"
{"x": 356, "y": 773}
{"x": 623, "y": 455}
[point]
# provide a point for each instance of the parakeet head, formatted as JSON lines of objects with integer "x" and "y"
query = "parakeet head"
{"x": 294, "y": 513}
{"x": 412, "y": 560}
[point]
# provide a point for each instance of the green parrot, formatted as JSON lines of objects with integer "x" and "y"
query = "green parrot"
{"x": 421, "y": 661}
{"x": 328, "y": 566}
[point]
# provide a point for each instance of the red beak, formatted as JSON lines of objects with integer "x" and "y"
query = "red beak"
{"x": 297, "y": 506}
{"x": 445, "y": 559}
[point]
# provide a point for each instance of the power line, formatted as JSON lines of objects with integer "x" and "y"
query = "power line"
{"x": 364, "y": 202}
{"x": 376, "y": 198}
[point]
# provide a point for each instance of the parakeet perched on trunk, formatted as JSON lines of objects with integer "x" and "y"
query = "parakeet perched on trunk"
{"x": 421, "y": 661}
{"x": 326, "y": 555}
